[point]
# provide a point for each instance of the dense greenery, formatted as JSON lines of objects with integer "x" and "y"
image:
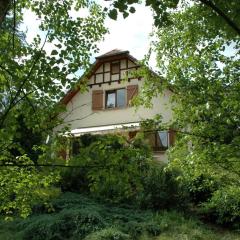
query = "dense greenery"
{"x": 79, "y": 217}
{"x": 118, "y": 170}
{"x": 32, "y": 79}
{"x": 198, "y": 61}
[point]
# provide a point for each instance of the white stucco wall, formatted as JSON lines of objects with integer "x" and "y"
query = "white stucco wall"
{"x": 79, "y": 112}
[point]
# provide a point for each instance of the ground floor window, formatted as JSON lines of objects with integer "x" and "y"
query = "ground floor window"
{"x": 158, "y": 140}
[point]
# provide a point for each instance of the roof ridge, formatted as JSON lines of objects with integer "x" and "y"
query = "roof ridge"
{"x": 113, "y": 52}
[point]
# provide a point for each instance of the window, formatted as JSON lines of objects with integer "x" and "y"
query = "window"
{"x": 115, "y": 67}
{"x": 75, "y": 146}
{"x": 158, "y": 140}
{"x": 115, "y": 98}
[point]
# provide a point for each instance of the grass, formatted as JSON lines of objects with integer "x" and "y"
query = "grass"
{"x": 79, "y": 217}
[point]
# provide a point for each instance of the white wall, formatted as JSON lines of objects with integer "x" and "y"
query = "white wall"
{"x": 79, "y": 110}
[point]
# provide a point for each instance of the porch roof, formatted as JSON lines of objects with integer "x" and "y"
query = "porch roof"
{"x": 104, "y": 129}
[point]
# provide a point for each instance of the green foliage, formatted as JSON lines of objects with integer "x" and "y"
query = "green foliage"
{"x": 32, "y": 81}
{"x": 205, "y": 86}
{"x": 160, "y": 9}
{"x": 79, "y": 217}
{"x": 203, "y": 80}
{"x": 201, "y": 187}
{"x": 77, "y": 222}
{"x": 162, "y": 190}
{"x": 74, "y": 179}
{"x": 22, "y": 188}
{"x": 116, "y": 170}
{"x": 112, "y": 168}
{"x": 224, "y": 205}
{"x": 220, "y": 14}
{"x": 108, "y": 234}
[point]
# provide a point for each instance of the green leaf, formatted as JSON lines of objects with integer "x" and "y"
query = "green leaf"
{"x": 113, "y": 14}
{"x": 54, "y": 52}
{"x": 132, "y": 10}
{"x": 125, "y": 14}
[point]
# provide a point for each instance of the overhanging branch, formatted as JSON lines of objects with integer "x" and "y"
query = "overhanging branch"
{"x": 217, "y": 10}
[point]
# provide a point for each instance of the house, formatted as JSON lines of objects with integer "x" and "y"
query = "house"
{"x": 106, "y": 106}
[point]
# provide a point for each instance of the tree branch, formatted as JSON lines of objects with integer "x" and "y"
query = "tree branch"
{"x": 217, "y": 10}
{"x": 14, "y": 23}
{"x": 13, "y": 101}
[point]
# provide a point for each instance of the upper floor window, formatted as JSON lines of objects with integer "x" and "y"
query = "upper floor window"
{"x": 115, "y": 67}
{"x": 116, "y": 98}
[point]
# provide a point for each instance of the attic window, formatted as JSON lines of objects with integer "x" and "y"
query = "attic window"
{"x": 115, "y": 67}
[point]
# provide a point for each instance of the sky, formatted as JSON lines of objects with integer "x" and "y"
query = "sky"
{"x": 130, "y": 34}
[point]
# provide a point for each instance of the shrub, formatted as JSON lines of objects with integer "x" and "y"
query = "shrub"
{"x": 68, "y": 223}
{"x": 108, "y": 234}
{"x": 201, "y": 188}
{"x": 224, "y": 205}
{"x": 112, "y": 168}
{"x": 74, "y": 179}
{"x": 79, "y": 217}
{"x": 23, "y": 187}
{"x": 122, "y": 171}
{"x": 162, "y": 190}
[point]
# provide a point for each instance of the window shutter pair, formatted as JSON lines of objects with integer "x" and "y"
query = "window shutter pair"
{"x": 132, "y": 91}
{"x": 97, "y": 97}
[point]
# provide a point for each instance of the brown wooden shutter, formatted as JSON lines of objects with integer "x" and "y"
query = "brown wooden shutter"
{"x": 97, "y": 99}
{"x": 172, "y": 137}
{"x": 132, "y": 90}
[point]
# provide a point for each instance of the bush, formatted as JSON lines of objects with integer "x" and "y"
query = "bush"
{"x": 74, "y": 179}
{"x": 162, "y": 190}
{"x": 108, "y": 234}
{"x": 201, "y": 188}
{"x": 78, "y": 217}
{"x": 121, "y": 171}
{"x": 112, "y": 168}
{"x": 68, "y": 223}
{"x": 224, "y": 205}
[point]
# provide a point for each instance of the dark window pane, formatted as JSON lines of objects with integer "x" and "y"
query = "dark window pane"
{"x": 162, "y": 139}
{"x": 75, "y": 147}
{"x": 120, "y": 97}
{"x": 111, "y": 100}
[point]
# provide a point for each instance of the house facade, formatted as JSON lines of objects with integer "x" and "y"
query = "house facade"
{"x": 106, "y": 105}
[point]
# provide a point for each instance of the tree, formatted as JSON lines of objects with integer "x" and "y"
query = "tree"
{"x": 198, "y": 59}
{"x": 198, "y": 47}
{"x": 194, "y": 40}
{"x": 32, "y": 81}
{"x": 219, "y": 10}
